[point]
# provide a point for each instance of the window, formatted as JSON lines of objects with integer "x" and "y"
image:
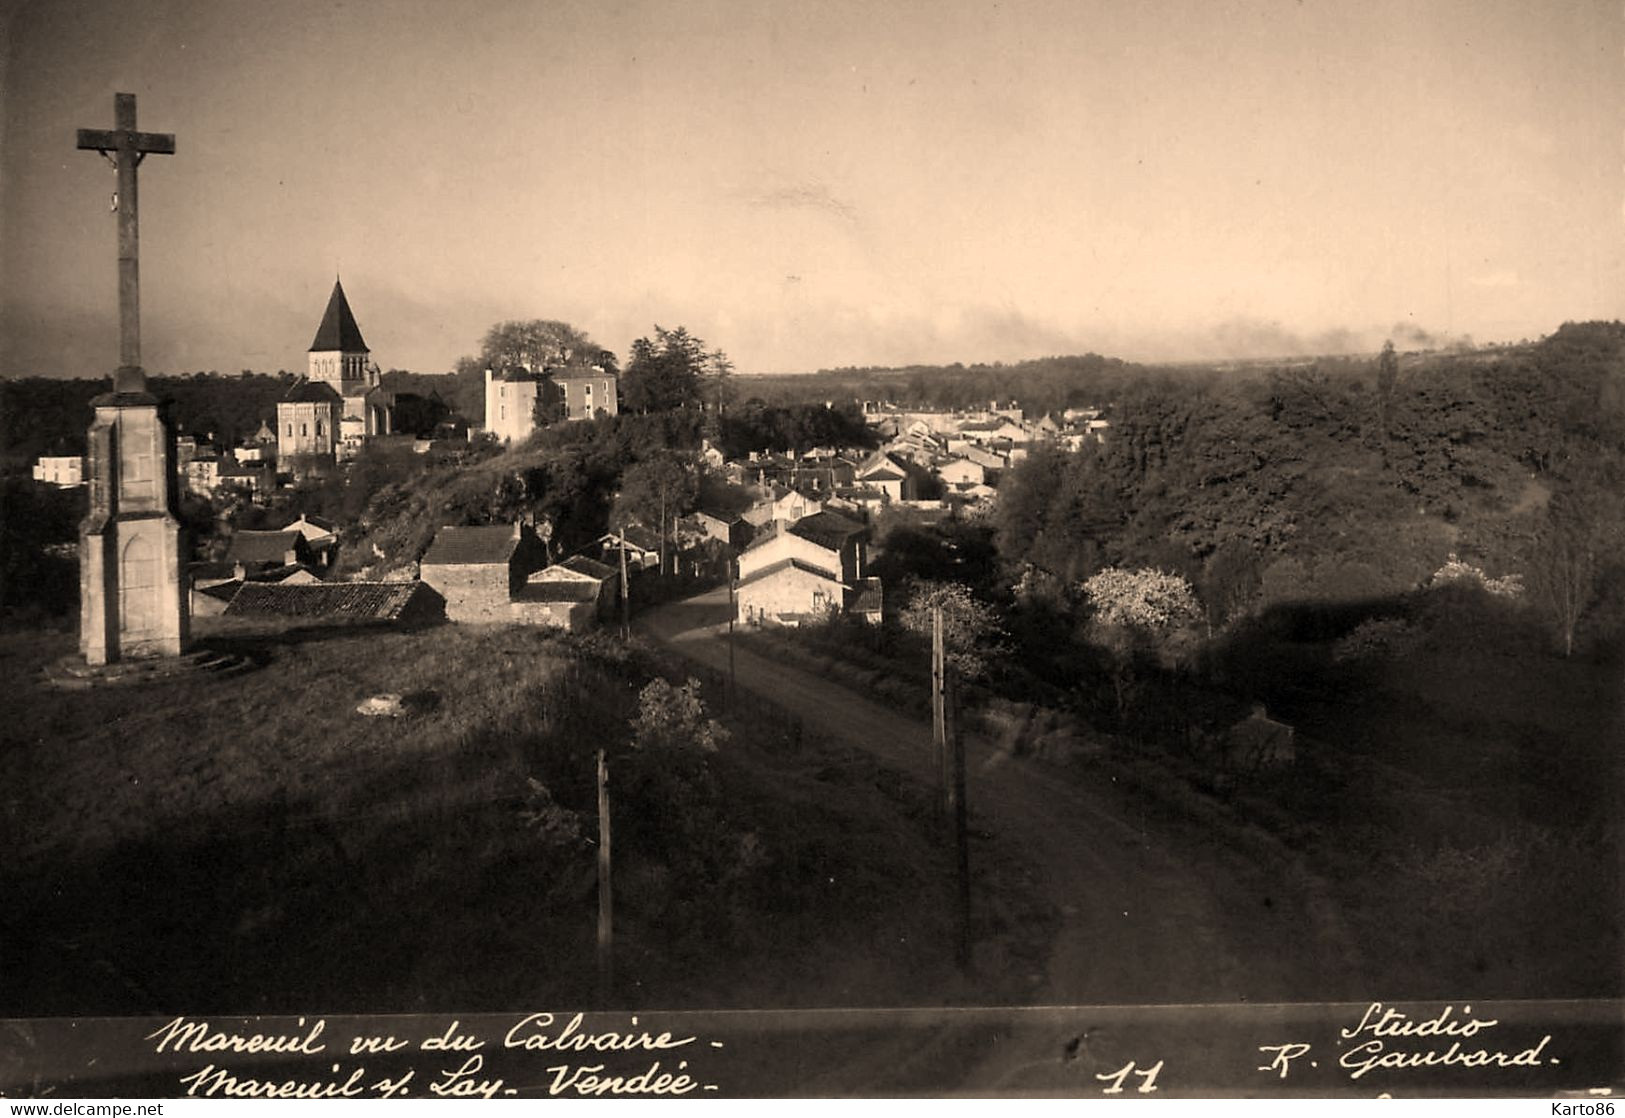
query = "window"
{"x": 502, "y": 412}
{"x": 318, "y": 428}
{"x": 304, "y": 430}
{"x": 290, "y": 430}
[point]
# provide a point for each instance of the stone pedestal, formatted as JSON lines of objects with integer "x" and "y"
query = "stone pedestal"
{"x": 132, "y": 603}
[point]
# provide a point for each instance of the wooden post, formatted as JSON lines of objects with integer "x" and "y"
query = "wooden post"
{"x": 939, "y": 708}
{"x": 626, "y": 593}
{"x": 958, "y": 814}
{"x": 733, "y": 608}
{"x": 606, "y": 897}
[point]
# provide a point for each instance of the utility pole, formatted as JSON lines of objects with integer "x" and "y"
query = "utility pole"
{"x": 626, "y": 593}
{"x": 606, "y": 897}
{"x": 733, "y": 610}
{"x": 939, "y": 707}
{"x": 950, "y": 750}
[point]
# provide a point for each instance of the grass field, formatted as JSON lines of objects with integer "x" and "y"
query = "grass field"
{"x": 249, "y": 843}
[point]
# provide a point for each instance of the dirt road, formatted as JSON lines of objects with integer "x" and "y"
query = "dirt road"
{"x": 1153, "y": 912}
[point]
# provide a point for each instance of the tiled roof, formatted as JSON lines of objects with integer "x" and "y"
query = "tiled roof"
{"x": 785, "y": 564}
{"x": 514, "y": 374}
{"x": 379, "y": 601}
{"x": 203, "y": 572}
{"x": 557, "y": 590}
{"x": 306, "y": 520}
{"x": 307, "y": 391}
{"x": 644, "y": 539}
{"x": 338, "y": 330}
{"x": 826, "y": 529}
{"x": 869, "y": 598}
{"x": 491, "y": 543}
{"x": 225, "y": 591}
{"x": 262, "y": 547}
{"x": 581, "y": 564}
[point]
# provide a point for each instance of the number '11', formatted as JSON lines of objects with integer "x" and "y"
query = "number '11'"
{"x": 1117, "y": 1077}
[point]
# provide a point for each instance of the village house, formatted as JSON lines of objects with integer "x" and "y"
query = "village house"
{"x": 258, "y": 479}
{"x": 62, "y": 471}
{"x": 961, "y": 473}
{"x": 202, "y": 474}
{"x": 252, "y": 553}
{"x": 480, "y": 570}
{"x": 572, "y": 594}
{"x": 642, "y": 547}
{"x": 260, "y": 447}
{"x": 791, "y": 505}
{"x": 889, "y": 475}
{"x": 320, "y": 536}
{"x": 728, "y": 529}
{"x": 806, "y": 570}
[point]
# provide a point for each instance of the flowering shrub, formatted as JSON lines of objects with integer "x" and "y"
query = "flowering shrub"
{"x": 1457, "y": 573}
{"x": 674, "y": 718}
{"x": 969, "y": 627}
{"x": 1146, "y": 599}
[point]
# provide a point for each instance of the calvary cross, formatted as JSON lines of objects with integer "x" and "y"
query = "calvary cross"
{"x": 124, "y": 147}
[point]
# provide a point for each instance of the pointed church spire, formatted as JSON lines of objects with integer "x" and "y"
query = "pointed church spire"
{"x": 338, "y": 331}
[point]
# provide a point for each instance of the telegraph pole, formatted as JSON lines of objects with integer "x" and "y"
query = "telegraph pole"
{"x": 626, "y": 593}
{"x": 950, "y": 751}
{"x": 606, "y": 896}
{"x": 733, "y": 609}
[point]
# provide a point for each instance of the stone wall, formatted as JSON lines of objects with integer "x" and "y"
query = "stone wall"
{"x": 573, "y": 616}
{"x": 473, "y": 592}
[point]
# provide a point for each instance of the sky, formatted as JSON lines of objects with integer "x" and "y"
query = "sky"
{"x": 815, "y": 184}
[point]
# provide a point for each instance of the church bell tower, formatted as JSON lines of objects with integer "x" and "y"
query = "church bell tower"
{"x": 339, "y": 355}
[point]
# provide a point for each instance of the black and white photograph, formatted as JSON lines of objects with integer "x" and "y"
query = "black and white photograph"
{"x": 749, "y": 548}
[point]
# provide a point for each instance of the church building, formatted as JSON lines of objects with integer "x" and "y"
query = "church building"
{"x": 339, "y": 404}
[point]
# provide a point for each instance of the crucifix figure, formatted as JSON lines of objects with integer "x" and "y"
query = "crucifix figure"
{"x": 125, "y": 148}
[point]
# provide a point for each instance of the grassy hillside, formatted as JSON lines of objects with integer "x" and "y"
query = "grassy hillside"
{"x": 251, "y": 844}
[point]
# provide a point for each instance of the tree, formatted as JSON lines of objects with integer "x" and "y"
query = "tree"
{"x": 1563, "y": 568}
{"x": 1136, "y": 613}
{"x": 540, "y": 343}
{"x": 657, "y": 490}
{"x": 667, "y": 371}
{"x": 674, "y": 718}
{"x": 1387, "y": 378}
{"x": 550, "y": 406}
{"x": 1149, "y": 600}
{"x": 970, "y": 628}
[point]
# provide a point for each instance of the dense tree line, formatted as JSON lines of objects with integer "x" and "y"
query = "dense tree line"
{"x": 1355, "y": 482}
